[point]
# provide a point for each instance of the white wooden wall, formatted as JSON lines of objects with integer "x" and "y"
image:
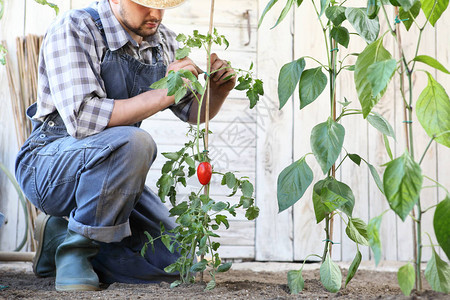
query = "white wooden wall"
{"x": 260, "y": 143}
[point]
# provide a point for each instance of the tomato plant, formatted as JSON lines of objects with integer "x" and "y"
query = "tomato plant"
{"x": 402, "y": 179}
{"x": 199, "y": 217}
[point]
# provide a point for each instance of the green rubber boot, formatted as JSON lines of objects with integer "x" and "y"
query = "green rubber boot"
{"x": 49, "y": 233}
{"x": 74, "y": 270}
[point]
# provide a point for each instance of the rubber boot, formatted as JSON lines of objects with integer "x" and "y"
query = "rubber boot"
{"x": 74, "y": 270}
{"x": 49, "y": 233}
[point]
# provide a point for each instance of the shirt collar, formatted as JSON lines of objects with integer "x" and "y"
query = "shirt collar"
{"x": 116, "y": 35}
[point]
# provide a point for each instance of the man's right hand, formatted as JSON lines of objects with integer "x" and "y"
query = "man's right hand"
{"x": 186, "y": 64}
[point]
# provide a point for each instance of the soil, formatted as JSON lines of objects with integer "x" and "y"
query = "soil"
{"x": 235, "y": 284}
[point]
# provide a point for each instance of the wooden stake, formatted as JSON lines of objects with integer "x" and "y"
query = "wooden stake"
{"x": 208, "y": 68}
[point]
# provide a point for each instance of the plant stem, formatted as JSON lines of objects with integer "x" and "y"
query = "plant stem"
{"x": 327, "y": 239}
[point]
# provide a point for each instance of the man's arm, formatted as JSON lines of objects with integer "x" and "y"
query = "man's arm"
{"x": 142, "y": 106}
{"x": 220, "y": 87}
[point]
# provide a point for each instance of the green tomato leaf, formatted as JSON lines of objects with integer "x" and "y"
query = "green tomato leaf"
{"x": 52, "y": 5}
{"x": 341, "y": 35}
{"x": 437, "y": 273}
{"x": 406, "y": 276}
{"x": 408, "y": 16}
{"x": 330, "y": 275}
{"x": 441, "y": 224}
{"x": 326, "y": 143}
{"x": 200, "y": 266}
{"x": 402, "y": 182}
{"x": 433, "y": 111}
{"x": 353, "y": 267}
{"x": 219, "y": 206}
{"x": 367, "y": 28}
{"x": 252, "y": 213}
{"x": 179, "y": 209}
{"x": 336, "y": 14}
{"x": 288, "y": 78}
{"x": 379, "y": 75}
{"x": 312, "y": 83}
{"x": 357, "y": 231}
{"x": 174, "y": 82}
{"x": 160, "y": 84}
{"x": 434, "y": 11}
{"x": 373, "y": 232}
{"x": 432, "y": 62}
{"x": 381, "y": 124}
{"x": 229, "y": 179}
{"x": 182, "y": 52}
{"x": 292, "y": 183}
{"x": 164, "y": 183}
{"x": 295, "y": 281}
{"x": 373, "y": 53}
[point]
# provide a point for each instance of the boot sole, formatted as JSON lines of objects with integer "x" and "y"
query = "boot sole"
{"x": 41, "y": 223}
{"x": 76, "y": 287}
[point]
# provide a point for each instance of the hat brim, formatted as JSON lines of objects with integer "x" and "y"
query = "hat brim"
{"x": 159, "y": 4}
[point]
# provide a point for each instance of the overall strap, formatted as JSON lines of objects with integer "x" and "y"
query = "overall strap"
{"x": 94, "y": 14}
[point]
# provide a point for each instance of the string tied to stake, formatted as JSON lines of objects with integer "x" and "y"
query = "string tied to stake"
{"x": 328, "y": 240}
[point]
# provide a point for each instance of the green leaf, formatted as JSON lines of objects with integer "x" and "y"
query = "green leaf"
{"x": 211, "y": 285}
{"x": 244, "y": 84}
{"x": 326, "y": 143}
{"x": 219, "y": 206}
{"x": 229, "y": 179}
{"x": 292, "y": 183}
{"x": 441, "y": 224}
{"x": 353, "y": 267}
{"x": 252, "y": 213}
{"x": 330, "y": 275}
{"x": 266, "y": 9}
{"x": 357, "y": 231}
{"x": 160, "y": 84}
{"x": 182, "y": 52}
{"x": 164, "y": 183}
{"x": 379, "y": 75}
{"x": 224, "y": 267}
{"x": 2, "y": 8}
{"x": 406, "y": 278}
{"x": 323, "y": 6}
{"x": 355, "y": 158}
{"x": 408, "y": 16}
{"x": 288, "y": 78}
{"x": 432, "y": 62}
{"x": 336, "y": 14}
{"x": 376, "y": 177}
{"x": 247, "y": 188}
{"x": 432, "y": 11}
{"x": 367, "y": 28}
{"x": 284, "y": 12}
{"x": 381, "y": 124}
{"x": 174, "y": 82}
{"x": 329, "y": 195}
{"x": 175, "y": 283}
{"x": 373, "y": 53}
{"x": 433, "y": 111}
{"x": 373, "y": 232}
{"x": 200, "y": 266}
{"x": 437, "y": 273}
{"x": 312, "y": 83}
{"x": 406, "y": 4}
{"x": 171, "y": 155}
{"x": 341, "y": 35}
{"x": 179, "y": 209}
{"x": 296, "y": 282}
{"x": 402, "y": 182}
{"x": 52, "y": 5}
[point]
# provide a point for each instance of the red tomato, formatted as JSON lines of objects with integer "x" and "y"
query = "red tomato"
{"x": 204, "y": 172}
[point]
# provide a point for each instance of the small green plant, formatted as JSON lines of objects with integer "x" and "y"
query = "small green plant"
{"x": 199, "y": 217}
{"x": 373, "y": 71}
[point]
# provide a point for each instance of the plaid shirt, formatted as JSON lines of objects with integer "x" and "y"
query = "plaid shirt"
{"x": 69, "y": 68}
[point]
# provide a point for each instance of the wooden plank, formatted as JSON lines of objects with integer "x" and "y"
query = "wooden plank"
{"x": 12, "y": 232}
{"x": 237, "y": 252}
{"x": 274, "y": 143}
{"x": 240, "y": 233}
{"x": 308, "y": 236}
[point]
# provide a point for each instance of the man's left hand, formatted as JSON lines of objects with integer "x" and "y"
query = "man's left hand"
{"x": 223, "y": 77}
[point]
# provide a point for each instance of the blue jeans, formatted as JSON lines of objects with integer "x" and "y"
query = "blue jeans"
{"x": 99, "y": 183}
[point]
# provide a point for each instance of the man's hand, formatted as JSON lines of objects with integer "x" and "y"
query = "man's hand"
{"x": 220, "y": 71}
{"x": 186, "y": 64}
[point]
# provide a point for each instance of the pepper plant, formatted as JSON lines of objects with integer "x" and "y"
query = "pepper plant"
{"x": 199, "y": 217}
{"x": 372, "y": 72}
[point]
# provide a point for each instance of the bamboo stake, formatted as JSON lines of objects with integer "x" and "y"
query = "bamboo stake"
{"x": 208, "y": 67}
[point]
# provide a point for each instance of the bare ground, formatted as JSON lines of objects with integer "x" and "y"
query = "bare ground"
{"x": 20, "y": 283}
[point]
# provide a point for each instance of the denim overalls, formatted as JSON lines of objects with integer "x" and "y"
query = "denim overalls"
{"x": 99, "y": 181}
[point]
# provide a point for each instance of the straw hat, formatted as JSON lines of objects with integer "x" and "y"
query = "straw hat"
{"x": 159, "y": 4}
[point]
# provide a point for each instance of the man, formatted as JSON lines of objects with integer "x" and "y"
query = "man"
{"x": 86, "y": 158}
